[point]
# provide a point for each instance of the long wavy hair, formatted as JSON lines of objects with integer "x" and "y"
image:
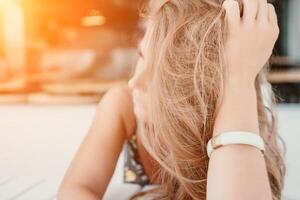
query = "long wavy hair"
{"x": 184, "y": 52}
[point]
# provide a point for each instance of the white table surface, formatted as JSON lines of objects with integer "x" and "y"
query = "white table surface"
{"x": 37, "y": 144}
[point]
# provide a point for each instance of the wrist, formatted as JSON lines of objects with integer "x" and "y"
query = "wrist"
{"x": 239, "y": 84}
{"x": 237, "y": 109}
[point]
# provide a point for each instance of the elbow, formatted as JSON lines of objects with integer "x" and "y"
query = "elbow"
{"x": 66, "y": 192}
{"x": 76, "y": 192}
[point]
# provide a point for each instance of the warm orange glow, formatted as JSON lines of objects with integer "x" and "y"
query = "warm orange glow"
{"x": 14, "y": 35}
{"x": 42, "y": 43}
{"x": 96, "y": 20}
{"x": 6, "y": 3}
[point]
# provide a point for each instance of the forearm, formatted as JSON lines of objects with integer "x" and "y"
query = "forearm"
{"x": 94, "y": 163}
{"x": 76, "y": 193}
{"x": 238, "y": 171}
{"x": 238, "y": 109}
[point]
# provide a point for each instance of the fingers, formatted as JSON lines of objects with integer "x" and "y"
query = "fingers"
{"x": 232, "y": 12}
{"x": 253, "y": 10}
{"x": 262, "y": 13}
{"x": 272, "y": 14}
{"x": 273, "y": 20}
{"x": 259, "y": 10}
{"x": 250, "y": 9}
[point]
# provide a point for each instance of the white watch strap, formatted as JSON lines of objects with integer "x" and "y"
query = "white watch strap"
{"x": 235, "y": 137}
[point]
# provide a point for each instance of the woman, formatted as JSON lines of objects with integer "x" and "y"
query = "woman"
{"x": 200, "y": 75}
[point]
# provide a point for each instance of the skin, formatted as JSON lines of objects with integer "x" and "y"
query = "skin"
{"x": 235, "y": 171}
{"x": 95, "y": 161}
{"x": 239, "y": 171}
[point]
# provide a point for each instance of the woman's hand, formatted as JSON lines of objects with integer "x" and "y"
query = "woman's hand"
{"x": 239, "y": 171}
{"x": 250, "y": 38}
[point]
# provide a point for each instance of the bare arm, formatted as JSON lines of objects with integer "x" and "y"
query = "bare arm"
{"x": 238, "y": 172}
{"x": 91, "y": 169}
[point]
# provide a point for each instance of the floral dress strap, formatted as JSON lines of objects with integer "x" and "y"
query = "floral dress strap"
{"x": 133, "y": 169}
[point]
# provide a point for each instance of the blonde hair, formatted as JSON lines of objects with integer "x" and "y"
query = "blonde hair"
{"x": 184, "y": 52}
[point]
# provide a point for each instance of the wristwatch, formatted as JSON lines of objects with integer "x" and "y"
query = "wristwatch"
{"x": 235, "y": 137}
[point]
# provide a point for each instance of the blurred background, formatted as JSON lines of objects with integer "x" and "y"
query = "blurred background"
{"x": 58, "y": 57}
{"x": 57, "y": 52}
{"x": 65, "y": 51}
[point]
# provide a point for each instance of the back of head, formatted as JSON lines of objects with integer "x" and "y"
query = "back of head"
{"x": 184, "y": 51}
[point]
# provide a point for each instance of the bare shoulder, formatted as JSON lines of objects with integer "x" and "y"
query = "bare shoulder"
{"x": 93, "y": 165}
{"x": 121, "y": 91}
{"x": 119, "y": 99}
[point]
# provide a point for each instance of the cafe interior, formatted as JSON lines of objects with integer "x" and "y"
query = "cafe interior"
{"x": 59, "y": 57}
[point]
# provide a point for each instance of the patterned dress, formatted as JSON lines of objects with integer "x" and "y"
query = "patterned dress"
{"x": 133, "y": 170}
